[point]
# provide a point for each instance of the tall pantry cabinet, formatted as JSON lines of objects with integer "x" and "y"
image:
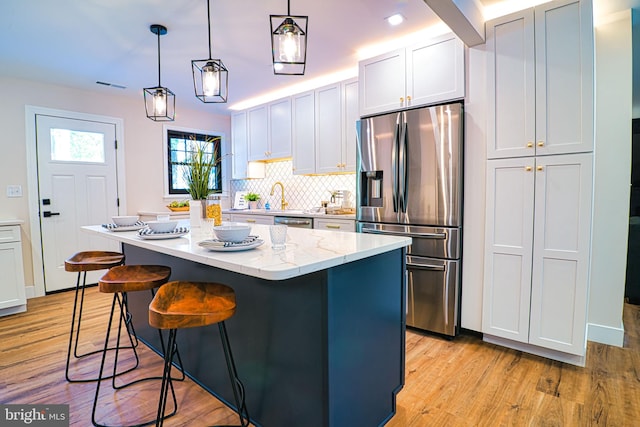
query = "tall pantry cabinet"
{"x": 539, "y": 178}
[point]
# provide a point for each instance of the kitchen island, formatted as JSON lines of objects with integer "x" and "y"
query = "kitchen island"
{"x": 318, "y": 335}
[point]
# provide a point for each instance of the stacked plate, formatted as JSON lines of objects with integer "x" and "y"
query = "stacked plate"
{"x": 149, "y": 234}
{"x": 249, "y": 242}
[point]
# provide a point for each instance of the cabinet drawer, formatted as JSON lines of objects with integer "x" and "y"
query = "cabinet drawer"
{"x": 253, "y": 219}
{"x": 9, "y": 233}
{"x": 334, "y": 224}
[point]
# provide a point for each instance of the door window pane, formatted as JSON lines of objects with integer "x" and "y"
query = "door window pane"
{"x": 77, "y": 146}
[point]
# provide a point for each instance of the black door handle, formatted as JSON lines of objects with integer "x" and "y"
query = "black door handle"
{"x": 47, "y": 214}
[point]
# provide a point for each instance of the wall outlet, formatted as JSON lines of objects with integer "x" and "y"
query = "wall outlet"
{"x": 14, "y": 190}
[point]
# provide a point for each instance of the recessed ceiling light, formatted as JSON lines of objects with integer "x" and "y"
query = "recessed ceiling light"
{"x": 396, "y": 19}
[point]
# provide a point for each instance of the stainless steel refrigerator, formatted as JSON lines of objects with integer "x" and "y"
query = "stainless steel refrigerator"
{"x": 409, "y": 182}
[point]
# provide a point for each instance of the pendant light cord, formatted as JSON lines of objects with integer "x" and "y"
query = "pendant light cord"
{"x": 159, "y": 85}
{"x": 288, "y": 7}
{"x": 209, "y": 26}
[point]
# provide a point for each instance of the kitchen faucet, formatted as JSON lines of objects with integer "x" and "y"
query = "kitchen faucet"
{"x": 283, "y": 203}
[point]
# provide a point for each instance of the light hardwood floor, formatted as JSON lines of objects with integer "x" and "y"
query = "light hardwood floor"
{"x": 464, "y": 382}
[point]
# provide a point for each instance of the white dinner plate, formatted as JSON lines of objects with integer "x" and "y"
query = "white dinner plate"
{"x": 134, "y": 227}
{"x": 160, "y": 236}
{"x": 205, "y": 244}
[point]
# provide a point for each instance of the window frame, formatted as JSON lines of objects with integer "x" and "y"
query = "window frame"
{"x": 183, "y": 194}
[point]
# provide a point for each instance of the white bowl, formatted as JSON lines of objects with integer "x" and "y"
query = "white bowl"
{"x": 162, "y": 226}
{"x": 232, "y": 233}
{"x": 124, "y": 221}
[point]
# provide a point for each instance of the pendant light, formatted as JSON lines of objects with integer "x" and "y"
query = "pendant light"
{"x": 159, "y": 101}
{"x": 210, "y": 76}
{"x": 289, "y": 43}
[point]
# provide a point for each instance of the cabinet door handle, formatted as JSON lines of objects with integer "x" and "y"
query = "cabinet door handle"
{"x": 539, "y": 168}
{"x": 528, "y": 168}
{"x": 529, "y": 144}
{"x": 540, "y": 143}
{"x": 250, "y": 220}
{"x": 335, "y": 227}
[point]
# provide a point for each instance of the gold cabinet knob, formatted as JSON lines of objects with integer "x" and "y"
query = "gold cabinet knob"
{"x": 540, "y": 143}
{"x": 528, "y": 168}
{"x": 401, "y": 100}
{"x": 529, "y": 144}
{"x": 539, "y": 168}
{"x": 408, "y": 98}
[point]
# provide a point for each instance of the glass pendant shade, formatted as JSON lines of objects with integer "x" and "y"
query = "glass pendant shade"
{"x": 289, "y": 44}
{"x": 210, "y": 80}
{"x": 159, "y": 102}
{"x": 210, "y": 76}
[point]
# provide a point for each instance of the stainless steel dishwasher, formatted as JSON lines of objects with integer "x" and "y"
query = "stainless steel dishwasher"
{"x": 294, "y": 221}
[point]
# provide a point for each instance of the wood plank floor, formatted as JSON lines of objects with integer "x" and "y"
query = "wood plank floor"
{"x": 464, "y": 382}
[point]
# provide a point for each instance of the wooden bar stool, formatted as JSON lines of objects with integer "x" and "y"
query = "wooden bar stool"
{"x": 82, "y": 262}
{"x": 119, "y": 281}
{"x": 179, "y": 305}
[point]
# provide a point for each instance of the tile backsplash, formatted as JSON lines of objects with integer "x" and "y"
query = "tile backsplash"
{"x": 300, "y": 191}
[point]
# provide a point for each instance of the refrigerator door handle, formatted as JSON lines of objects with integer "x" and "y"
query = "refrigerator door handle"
{"x": 439, "y": 236}
{"x": 426, "y": 267}
{"x": 395, "y": 164}
{"x": 402, "y": 166}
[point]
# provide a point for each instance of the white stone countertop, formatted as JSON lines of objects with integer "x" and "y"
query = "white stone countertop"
{"x": 287, "y": 212}
{"x": 307, "y": 250}
{"x": 11, "y": 222}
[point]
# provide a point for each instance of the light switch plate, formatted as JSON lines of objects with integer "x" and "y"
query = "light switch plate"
{"x": 14, "y": 190}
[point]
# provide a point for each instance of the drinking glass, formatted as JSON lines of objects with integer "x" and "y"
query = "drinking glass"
{"x": 278, "y": 234}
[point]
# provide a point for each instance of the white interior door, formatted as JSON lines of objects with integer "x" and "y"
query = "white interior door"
{"x": 77, "y": 185}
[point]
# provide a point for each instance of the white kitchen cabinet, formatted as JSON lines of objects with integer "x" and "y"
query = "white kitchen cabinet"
{"x": 252, "y": 219}
{"x": 303, "y": 133}
{"x": 350, "y": 116}
{"x": 328, "y": 129}
{"x": 537, "y": 235}
{"x": 333, "y": 224}
{"x": 241, "y": 168}
{"x": 280, "y": 129}
{"x": 12, "y": 289}
{"x": 269, "y": 130}
{"x": 540, "y": 81}
{"x": 427, "y": 73}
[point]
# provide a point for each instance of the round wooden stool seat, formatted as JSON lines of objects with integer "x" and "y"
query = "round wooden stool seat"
{"x": 182, "y": 304}
{"x": 93, "y": 260}
{"x": 131, "y": 278}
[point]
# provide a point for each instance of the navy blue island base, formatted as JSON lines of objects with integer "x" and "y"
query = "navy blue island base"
{"x": 321, "y": 349}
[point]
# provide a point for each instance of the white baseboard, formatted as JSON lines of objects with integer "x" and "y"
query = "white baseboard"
{"x": 538, "y": 351}
{"x": 606, "y": 334}
{"x": 30, "y": 291}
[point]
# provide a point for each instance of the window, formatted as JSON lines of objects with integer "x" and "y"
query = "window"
{"x": 180, "y": 147}
{"x": 77, "y": 146}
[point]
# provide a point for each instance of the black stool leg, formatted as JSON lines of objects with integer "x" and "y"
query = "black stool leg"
{"x": 236, "y": 384}
{"x": 73, "y": 342}
{"x": 104, "y": 356}
{"x": 167, "y": 383}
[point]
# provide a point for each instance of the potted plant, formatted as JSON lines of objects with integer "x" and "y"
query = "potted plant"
{"x": 252, "y": 198}
{"x": 197, "y": 174}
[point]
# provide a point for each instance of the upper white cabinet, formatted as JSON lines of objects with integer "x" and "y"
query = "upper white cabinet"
{"x": 239, "y": 158}
{"x": 537, "y": 250}
{"x": 240, "y": 166}
{"x": 424, "y": 74}
{"x": 540, "y": 81}
{"x": 303, "y": 133}
{"x": 269, "y": 130}
{"x": 324, "y": 129}
{"x": 12, "y": 290}
{"x": 280, "y": 128}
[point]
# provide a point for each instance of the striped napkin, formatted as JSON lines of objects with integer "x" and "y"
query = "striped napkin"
{"x": 222, "y": 244}
{"x": 177, "y": 230}
{"x": 112, "y": 226}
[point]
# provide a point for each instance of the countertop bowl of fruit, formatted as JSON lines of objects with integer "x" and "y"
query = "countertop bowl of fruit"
{"x": 176, "y": 206}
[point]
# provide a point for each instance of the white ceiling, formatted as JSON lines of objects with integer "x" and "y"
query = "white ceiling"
{"x": 78, "y": 42}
